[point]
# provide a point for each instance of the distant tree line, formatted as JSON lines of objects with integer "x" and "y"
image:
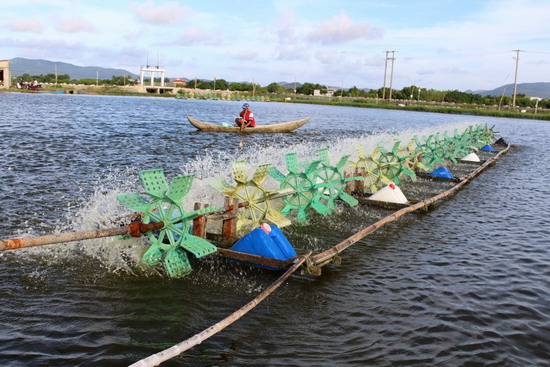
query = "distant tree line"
{"x": 452, "y": 96}
{"x": 410, "y": 93}
{"x": 66, "y": 79}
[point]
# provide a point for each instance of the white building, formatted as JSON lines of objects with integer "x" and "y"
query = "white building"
{"x": 5, "y": 75}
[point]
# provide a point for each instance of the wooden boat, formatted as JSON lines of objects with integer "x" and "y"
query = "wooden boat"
{"x": 282, "y": 127}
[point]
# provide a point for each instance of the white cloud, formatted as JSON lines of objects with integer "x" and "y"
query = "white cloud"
{"x": 73, "y": 25}
{"x": 193, "y": 36}
{"x": 291, "y": 53}
{"x": 328, "y": 57}
{"x": 285, "y": 27}
{"x": 167, "y": 13}
{"x": 25, "y": 25}
{"x": 341, "y": 29}
{"x": 245, "y": 55}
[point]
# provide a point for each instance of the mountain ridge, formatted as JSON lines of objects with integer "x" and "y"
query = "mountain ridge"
{"x": 20, "y": 66}
{"x": 539, "y": 89}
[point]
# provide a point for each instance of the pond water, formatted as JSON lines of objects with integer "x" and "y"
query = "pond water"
{"x": 465, "y": 284}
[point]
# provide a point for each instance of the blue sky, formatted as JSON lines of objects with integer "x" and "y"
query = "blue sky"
{"x": 443, "y": 44}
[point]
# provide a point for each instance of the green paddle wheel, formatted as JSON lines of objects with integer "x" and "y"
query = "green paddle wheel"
{"x": 433, "y": 151}
{"x": 458, "y": 145}
{"x": 316, "y": 187}
{"x": 330, "y": 180}
{"x": 162, "y": 203}
{"x": 306, "y": 195}
{"x": 395, "y": 165}
{"x": 260, "y": 207}
{"x": 481, "y": 135}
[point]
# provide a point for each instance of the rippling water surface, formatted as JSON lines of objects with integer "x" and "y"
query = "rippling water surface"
{"x": 465, "y": 284}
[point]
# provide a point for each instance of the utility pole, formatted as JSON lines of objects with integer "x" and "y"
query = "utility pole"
{"x": 385, "y": 70}
{"x": 516, "y": 78}
{"x": 56, "y": 74}
{"x": 391, "y": 75}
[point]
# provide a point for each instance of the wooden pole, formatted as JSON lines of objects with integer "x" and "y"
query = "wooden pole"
{"x": 135, "y": 229}
{"x": 229, "y": 225}
{"x": 228, "y": 216}
{"x": 324, "y": 257}
{"x": 199, "y": 223}
{"x": 15, "y": 243}
{"x": 158, "y": 358}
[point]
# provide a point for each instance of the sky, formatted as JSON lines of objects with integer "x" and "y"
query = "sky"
{"x": 439, "y": 44}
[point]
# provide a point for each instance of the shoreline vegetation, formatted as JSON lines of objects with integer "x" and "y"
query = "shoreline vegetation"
{"x": 360, "y": 102}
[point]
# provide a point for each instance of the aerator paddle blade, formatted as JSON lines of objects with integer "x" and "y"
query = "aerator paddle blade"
{"x": 292, "y": 162}
{"x": 261, "y": 174}
{"x": 133, "y": 201}
{"x": 153, "y": 256}
{"x": 239, "y": 171}
{"x": 154, "y": 182}
{"x": 198, "y": 246}
{"x": 177, "y": 263}
{"x": 180, "y": 187}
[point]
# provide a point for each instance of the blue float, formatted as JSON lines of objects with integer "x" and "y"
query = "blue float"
{"x": 266, "y": 241}
{"x": 442, "y": 172}
{"x": 488, "y": 148}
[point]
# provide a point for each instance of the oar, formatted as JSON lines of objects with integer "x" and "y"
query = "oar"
{"x": 135, "y": 229}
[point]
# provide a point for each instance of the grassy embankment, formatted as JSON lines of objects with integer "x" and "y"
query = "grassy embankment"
{"x": 363, "y": 103}
{"x": 452, "y": 109}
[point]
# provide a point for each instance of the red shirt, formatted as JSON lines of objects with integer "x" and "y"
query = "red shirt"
{"x": 248, "y": 116}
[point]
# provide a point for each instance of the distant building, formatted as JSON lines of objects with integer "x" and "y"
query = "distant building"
{"x": 179, "y": 82}
{"x": 5, "y": 75}
{"x": 331, "y": 91}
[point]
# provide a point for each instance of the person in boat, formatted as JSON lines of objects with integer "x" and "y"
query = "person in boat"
{"x": 246, "y": 119}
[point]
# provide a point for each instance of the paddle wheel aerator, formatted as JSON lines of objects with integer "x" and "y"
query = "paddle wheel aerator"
{"x": 170, "y": 243}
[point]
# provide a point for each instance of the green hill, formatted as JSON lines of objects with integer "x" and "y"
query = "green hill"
{"x": 20, "y": 66}
{"x": 541, "y": 90}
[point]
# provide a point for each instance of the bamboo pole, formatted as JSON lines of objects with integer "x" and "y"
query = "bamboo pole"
{"x": 15, "y": 243}
{"x": 135, "y": 229}
{"x": 324, "y": 257}
{"x": 158, "y": 358}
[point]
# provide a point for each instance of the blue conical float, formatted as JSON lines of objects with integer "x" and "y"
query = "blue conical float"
{"x": 488, "y": 148}
{"x": 266, "y": 241}
{"x": 442, "y": 172}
